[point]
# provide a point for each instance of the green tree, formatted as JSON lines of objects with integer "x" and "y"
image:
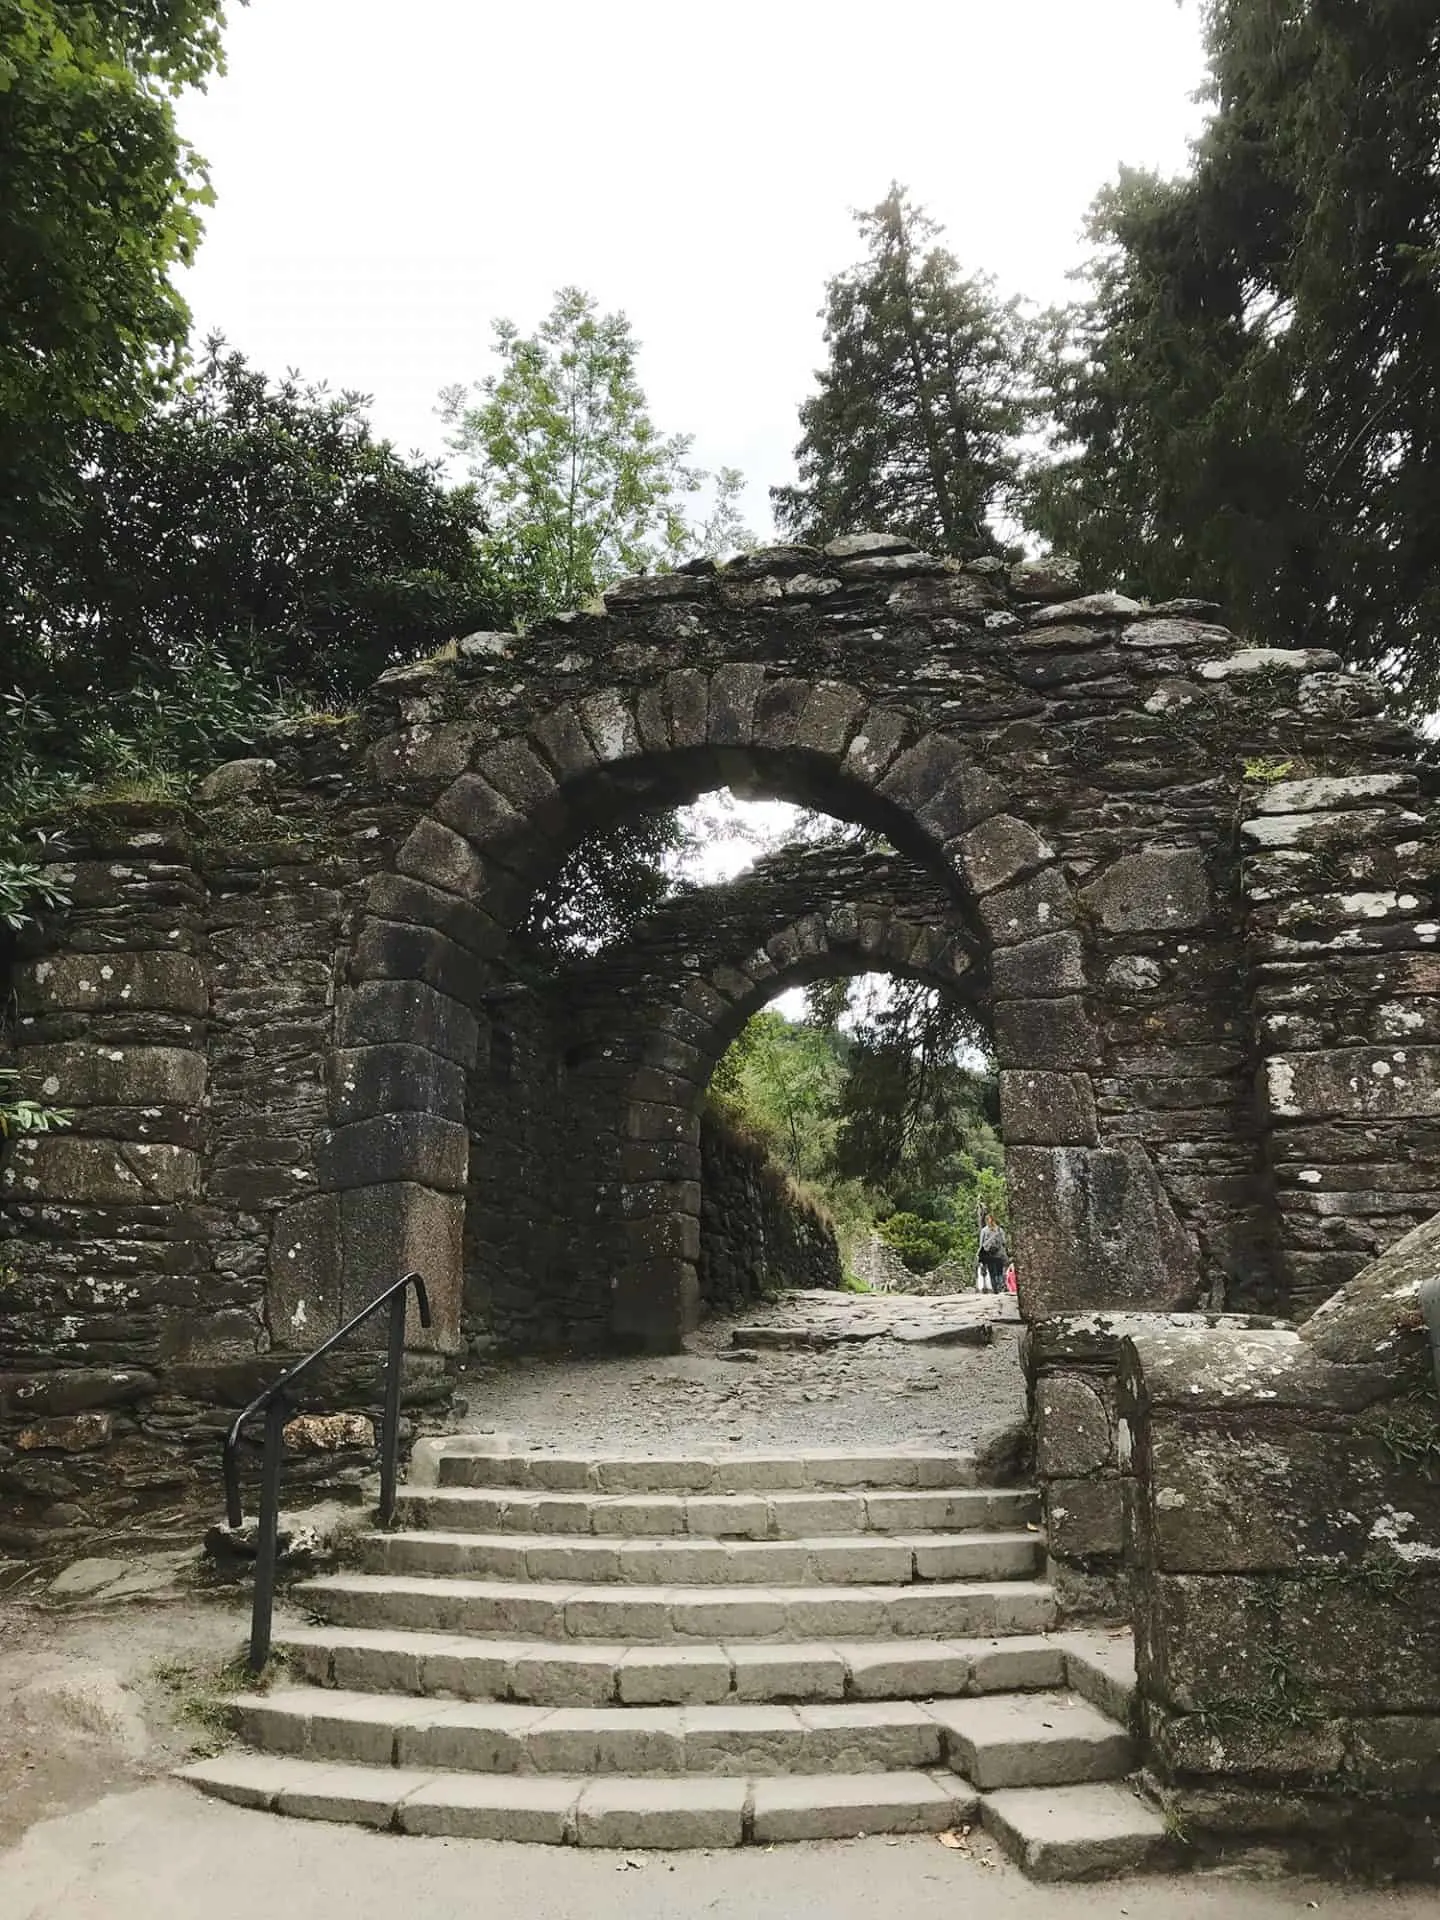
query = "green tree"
{"x": 781, "y": 1078}
{"x": 910, "y": 1109}
{"x": 916, "y": 423}
{"x": 579, "y": 488}
{"x": 1248, "y": 406}
{"x": 578, "y": 484}
{"x": 244, "y": 539}
{"x": 879, "y": 1110}
{"x": 101, "y": 202}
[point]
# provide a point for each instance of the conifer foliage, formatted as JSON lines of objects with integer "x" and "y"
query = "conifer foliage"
{"x": 916, "y": 422}
{"x": 1248, "y": 407}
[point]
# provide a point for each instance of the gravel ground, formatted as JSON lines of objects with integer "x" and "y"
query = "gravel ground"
{"x": 882, "y": 1384}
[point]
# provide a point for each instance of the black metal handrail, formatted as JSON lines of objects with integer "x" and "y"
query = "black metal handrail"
{"x": 274, "y": 1404}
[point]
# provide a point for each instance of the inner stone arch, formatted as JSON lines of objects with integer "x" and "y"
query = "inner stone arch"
{"x": 655, "y": 1016}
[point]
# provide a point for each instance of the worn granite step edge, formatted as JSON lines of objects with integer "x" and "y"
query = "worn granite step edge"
{"x": 996, "y": 1740}
{"x": 571, "y": 1673}
{"x": 614, "y": 1812}
{"x": 826, "y": 1560}
{"x": 1084, "y": 1832}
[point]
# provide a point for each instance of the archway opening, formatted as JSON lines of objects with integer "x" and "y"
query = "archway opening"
{"x": 868, "y": 1101}
{"x": 585, "y": 1214}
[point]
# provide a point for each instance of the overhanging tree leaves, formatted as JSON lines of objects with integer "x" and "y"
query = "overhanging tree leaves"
{"x": 100, "y": 202}
{"x": 1249, "y": 406}
{"x": 916, "y": 423}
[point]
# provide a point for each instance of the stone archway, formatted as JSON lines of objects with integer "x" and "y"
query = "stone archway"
{"x": 1202, "y": 877}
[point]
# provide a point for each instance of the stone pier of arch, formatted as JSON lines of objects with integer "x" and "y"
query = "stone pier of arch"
{"x": 1191, "y": 883}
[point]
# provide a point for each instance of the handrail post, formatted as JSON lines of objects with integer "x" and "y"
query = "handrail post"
{"x": 267, "y": 1543}
{"x": 390, "y": 1423}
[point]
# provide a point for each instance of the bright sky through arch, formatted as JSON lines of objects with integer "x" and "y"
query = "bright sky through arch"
{"x": 391, "y": 179}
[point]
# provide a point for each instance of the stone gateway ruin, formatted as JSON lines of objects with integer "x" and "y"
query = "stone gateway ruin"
{"x": 1188, "y": 886}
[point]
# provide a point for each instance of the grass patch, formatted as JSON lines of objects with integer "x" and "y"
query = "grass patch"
{"x": 199, "y": 1690}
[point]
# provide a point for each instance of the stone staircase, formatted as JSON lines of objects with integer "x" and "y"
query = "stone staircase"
{"x": 699, "y": 1652}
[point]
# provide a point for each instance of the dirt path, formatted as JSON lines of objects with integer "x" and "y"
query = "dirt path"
{"x": 890, "y": 1378}
{"x": 103, "y": 1697}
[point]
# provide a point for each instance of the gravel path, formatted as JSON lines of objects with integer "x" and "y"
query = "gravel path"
{"x": 890, "y": 1380}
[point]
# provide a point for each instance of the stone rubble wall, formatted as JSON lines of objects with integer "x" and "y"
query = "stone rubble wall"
{"x": 757, "y": 1232}
{"x": 1083, "y": 1457}
{"x": 1283, "y": 1522}
{"x": 878, "y": 1265}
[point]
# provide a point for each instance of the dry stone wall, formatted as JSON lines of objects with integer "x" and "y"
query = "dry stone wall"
{"x": 757, "y": 1233}
{"x": 1196, "y": 884}
{"x": 1284, "y": 1543}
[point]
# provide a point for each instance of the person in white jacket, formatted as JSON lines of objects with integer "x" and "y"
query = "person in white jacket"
{"x": 994, "y": 1256}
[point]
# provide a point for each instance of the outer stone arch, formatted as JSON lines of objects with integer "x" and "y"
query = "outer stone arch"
{"x": 465, "y": 873}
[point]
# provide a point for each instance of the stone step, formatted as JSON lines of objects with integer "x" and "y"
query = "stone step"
{"x": 458, "y": 1464}
{"x": 318, "y": 1723}
{"x": 1046, "y": 1739}
{"x": 567, "y": 1673}
{"x": 1077, "y": 1833}
{"x": 1032, "y": 1740}
{"x": 742, "y": 1516}
{"x": 658, "y": 1615}
{"x": 832, "y": 1560}
{"x": 627, "y": 1812}
{"x": 1100, "y": 1666}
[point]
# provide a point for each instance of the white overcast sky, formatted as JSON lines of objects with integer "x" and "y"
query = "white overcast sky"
{"x": 393, "y": 177}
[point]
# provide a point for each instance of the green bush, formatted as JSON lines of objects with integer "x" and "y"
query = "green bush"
{"x": 921, "y": 1244}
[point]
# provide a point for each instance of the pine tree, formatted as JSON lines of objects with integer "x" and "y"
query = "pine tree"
{"x": 1249, "y": 405}
{"x": 915, "y": 426}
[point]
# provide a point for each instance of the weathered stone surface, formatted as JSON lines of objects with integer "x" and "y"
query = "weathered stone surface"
{"x": 1366, "y": 1082}
{"x": 444, "y": 859}
{"x": 1094, "y": 1228}
{"x": 1249, "y": 660}
{"x": 77, "y": 1433}
{"x": 851, "y": 545}
{"x": 1051, "y": 963}
{"x": 1376, "y": 1320}
{"x": 305, "y": 1294}
{"x": 1346, "y": 790}
{"x": 1084, "y": 1518}
{"x": 80, "y": 1075}
{"x": 1052, "y": 578}
{"x": 235, "y": 779}
{"x": 72, "y": 1390}
{"x": 1159, "y": 891}
{"x": 57, "y": 1167}
{"x": 114, "y": 982}
{"x": 382, "y": 1011}
{"x": 1092, "y": 606}
{"x": 1272, "y": 1494}
{"x": 399, "y": 1077}
{"x": 400, "y": 1228}
{"x": 1040, "y": 905}
{"x": 1047, "y": 1109}
{"x": 328, "y": 1432}
{"x": 1001, "y": 850}
{"x": 421, "y": 1147}
{"x": 1073, "y": 1433}
{"x": 1046, "y": 1034}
